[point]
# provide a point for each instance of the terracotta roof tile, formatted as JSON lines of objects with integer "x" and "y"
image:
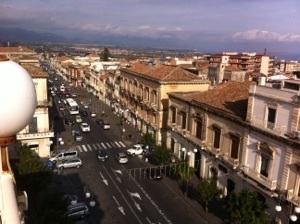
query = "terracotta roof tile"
{"x": 231, "y": 97}
{"x": 35, "y": 71}
{"x": 164, "y": 72}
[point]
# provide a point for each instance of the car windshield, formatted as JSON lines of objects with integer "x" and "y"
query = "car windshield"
{"x": 122, "y": 155}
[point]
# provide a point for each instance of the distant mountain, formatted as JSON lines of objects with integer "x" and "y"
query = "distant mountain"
{"x": 22, "y": 35}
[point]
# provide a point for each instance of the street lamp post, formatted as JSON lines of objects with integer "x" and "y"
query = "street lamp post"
{"x": 17, "y": 94}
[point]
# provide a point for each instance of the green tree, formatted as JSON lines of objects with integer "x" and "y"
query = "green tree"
{"x": 31, "y": 174}
{"x": 185, "y": 173}
{"x": 148, "y": 139}
{"x": 161, "y": 155}
{"x": 105, "y": 54}
{"x": 207, "y": 190}
{"x": 245, "y": 207}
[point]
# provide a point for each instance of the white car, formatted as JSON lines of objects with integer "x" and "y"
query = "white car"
{"x": 85, "y": 127}
{"x": 93, "y": 114}
{"x": 121, "y": 157}
{"x": 135, "y": 150}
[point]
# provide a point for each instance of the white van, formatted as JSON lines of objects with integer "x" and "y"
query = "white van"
{"x": 63, "y": 155}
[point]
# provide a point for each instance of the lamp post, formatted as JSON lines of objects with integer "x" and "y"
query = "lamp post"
{"x": 292, "y": 211}
{"x": 17, "y": 94}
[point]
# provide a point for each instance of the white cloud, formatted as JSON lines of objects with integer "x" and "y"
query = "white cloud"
{"x": 263, "y": 35}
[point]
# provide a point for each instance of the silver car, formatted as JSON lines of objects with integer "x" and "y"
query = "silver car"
{"x": 121, "y": 157}
{"x": 70, "y": 163}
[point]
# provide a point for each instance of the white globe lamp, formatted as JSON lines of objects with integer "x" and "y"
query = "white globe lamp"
{"x": 18, "y": 103}
{"x": 17, "y": 100}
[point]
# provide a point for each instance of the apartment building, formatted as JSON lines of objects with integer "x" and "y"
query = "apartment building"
{"x": 37, "y": 135}
{"x": 243, "y": 135}
{"x": 245, "y": 61}
{"x": 289, "y": 66}
{"x": 144, "y": 94}
{"x": 208, "y": 127}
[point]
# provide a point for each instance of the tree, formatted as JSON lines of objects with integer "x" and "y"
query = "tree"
{"x": 51, "y": 209}
{"x": 245, "y": 207}
{"x": 185, "y": 172}
{"x": 32, "y": 174}
{"x": 161, "y": 155}
{"x": 148, "y": 139}
{"x": 105, "y": 54}
{"x": 207, "y": 190}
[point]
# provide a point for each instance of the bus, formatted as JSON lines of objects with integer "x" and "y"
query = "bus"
{"x": 72, "y": 106}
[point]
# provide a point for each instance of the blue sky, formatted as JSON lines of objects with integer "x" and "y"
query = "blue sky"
{"x": 198, "y": 24}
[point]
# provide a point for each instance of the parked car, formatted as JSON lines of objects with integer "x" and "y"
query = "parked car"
{"x": 85, "y": 127}
{"x": 61, "y": 107}
{"x": 105, "y": 125}
{"x": 84, "y": 113}
{"x": 70, "y": 163}
{"x": 71, "y": 199}
{"x": 153, "y": 173}
{"x": 135, "y": 150}
{"x": 77, "y": 211}
{"x": 121, "y": 157}
{"x": 78, "y": 136}
{"x": 99, "y": 121}
{"x": 78, "y": 119}
{"x": 69, "y": 121}
{"x": 49, "y": 164}
{"x": 93, "y": 114}
{"x": 102, "y": 155}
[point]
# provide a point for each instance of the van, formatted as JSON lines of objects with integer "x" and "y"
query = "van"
{"x": 63, "y": 155}
{"x": 77, "y": 211}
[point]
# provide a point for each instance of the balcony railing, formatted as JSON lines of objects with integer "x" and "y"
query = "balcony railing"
{"x": 270, "y": 184}
{"x": 232, "y": 161}
{"x": 40, "y": 134}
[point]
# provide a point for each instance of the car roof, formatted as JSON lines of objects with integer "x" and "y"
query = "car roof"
{"x": 121, "y": 154}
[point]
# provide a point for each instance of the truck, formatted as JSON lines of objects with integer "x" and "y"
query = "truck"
{"x": 135, "y": 150}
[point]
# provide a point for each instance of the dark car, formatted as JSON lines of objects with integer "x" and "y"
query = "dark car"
{"x": 153, "y": 173}
{"x": 99, "y": 121}
{"x": 78, "y": 136}
{"x": 84, "y": 113}
{"x": 69, "y": 121}
{"x": 102, "y": 155}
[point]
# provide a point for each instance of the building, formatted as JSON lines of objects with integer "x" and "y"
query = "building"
{"x": 243, "y": 135}
{"x": 144, "y": 94}
{"x": 37, "y": 135}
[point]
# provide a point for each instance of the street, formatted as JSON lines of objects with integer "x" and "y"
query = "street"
{"x": 122, "y": 193}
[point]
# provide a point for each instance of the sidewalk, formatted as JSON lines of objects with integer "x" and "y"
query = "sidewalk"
{"x": 210, "y": 217}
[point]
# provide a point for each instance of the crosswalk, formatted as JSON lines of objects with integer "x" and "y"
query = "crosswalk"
{"x": 100, "y": 145}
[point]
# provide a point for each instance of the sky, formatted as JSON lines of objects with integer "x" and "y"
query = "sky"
{"x": 217, "y": 25}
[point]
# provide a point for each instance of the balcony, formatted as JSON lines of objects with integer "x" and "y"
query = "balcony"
{"x": 269, "y": 126}
{"x": 232, "y": 161}
{"x": 293, "y": 198}
{"x": 41, "y": 134}
{"x": 270, "y": 184}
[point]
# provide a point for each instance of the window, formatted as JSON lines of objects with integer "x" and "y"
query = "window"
{"x": 217, "y": 136}
{"x": 183, "y": 120}
{"x": 199, "y": 128}
{"x": 235, "y": 145}
{"x": 271, "y": 117}
{"x": 265, "y": 153}
{"x": 265, "y": 161}
{"x": 173, "y": 115}
{"x": 33, "y": 125}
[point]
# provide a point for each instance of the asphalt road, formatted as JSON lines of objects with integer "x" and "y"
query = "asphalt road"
{"x": 122, "y": 193}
